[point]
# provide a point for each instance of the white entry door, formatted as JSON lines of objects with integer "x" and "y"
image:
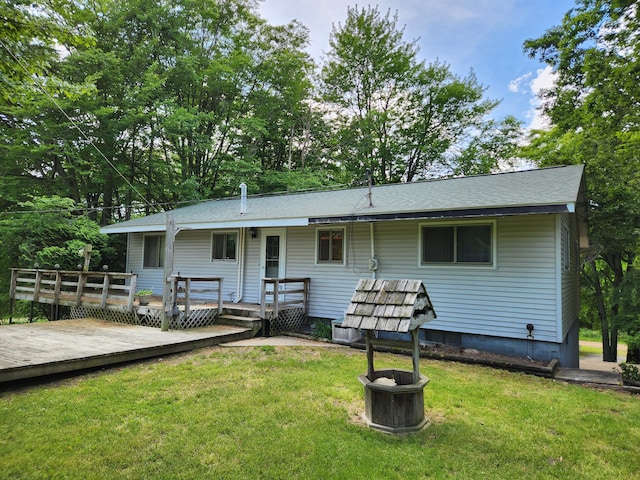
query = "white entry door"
{"x": 273, "y": 244}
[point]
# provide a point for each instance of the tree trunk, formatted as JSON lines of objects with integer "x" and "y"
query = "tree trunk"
{"x": 609, "y": 343}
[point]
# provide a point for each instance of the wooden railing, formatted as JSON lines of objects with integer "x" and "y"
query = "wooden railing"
{"x": 104, "y": 290}
{"x": 184, "y": 292}
{"x": 284, "y": 293}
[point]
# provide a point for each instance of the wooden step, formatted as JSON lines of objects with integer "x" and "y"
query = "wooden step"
{"x": 239, "y": 321}
{"x": 241, "y": 312}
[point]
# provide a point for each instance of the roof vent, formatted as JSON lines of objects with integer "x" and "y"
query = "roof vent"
{"x": 243, "y": 198}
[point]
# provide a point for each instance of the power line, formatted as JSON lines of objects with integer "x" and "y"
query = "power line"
{"x": 73, "y": 123}
{"x": 99, "y": 209}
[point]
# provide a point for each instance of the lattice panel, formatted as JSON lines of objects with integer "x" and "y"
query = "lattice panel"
{"x": 111, "y": 316}
{"x": 197, "y": 318}
{"x": 287, "y": 321}
{"x": 153, "y": 318}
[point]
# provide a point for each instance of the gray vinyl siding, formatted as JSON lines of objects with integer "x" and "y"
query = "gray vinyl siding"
{"x": 570, "y": 279}
{"x": 148, "y": 278}
{"x": 332, "y": 285}
{"x": 500, "y": 301}
{"x": 521, "y": 288}
{"x": 192, "y": 256}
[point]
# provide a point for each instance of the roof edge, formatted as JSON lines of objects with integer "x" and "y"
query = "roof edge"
{"x": 444, "y": 214}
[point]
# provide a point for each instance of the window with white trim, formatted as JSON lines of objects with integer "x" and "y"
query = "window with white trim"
{"x": 153, "y": 251}
{"x": 224, "y": 245}
{"x": 457, "y": 244}
{"x": 330, "y": 245}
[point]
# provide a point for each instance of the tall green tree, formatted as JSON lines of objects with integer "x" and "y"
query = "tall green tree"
{"x": 399, "y": 117}
{"x": 33, "y": 37}
{"x": 181, "y": 100}
{"x": 594, "y": 108}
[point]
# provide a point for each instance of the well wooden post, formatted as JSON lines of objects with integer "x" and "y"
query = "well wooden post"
{"x": 370, "y": 368}
{"x": 415, "y": 333}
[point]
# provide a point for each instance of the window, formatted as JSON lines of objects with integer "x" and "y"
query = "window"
{"x": 458, "y": 244}
{"x": 566, "y": 249}
{"x": 223, "y": 246}
{"x": 331, "y": 246}
{"x": 153, "y": 252}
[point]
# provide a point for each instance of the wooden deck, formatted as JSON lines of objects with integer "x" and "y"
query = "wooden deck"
{"x": 38, "y": 349}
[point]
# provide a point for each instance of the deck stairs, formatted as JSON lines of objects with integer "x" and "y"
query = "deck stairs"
{"x": 245, "y": 316}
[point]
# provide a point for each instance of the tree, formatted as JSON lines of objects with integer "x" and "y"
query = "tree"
{"x": 29, "y": 33}
{"x": 47, "y": 232}
{"x": 594, "y": 111}
{"x": 398, "y": 117}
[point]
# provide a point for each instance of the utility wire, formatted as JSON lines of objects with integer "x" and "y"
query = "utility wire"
{"x": 73, "y": 123}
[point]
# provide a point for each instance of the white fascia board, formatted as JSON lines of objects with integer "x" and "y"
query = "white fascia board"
{"x": 136, "y": 229}
{"x": 277, "y": 222}
{"x": 282, "y": 222}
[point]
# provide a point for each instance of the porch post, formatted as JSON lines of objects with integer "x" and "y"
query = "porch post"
{"x": 168, "y": 271}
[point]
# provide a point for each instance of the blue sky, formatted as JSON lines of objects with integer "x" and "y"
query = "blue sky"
{"x": 483, "y": 35}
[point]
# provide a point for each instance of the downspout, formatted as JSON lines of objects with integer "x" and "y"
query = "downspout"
{"x": 241, "y": 252}
{"x": 373, "y": 262}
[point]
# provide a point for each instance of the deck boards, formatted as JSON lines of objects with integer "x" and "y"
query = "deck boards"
{"x": 36, "y": 349}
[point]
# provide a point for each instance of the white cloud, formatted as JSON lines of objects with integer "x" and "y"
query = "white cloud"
{"x": 544, "y": 80}
{"x": 515, "y": 86}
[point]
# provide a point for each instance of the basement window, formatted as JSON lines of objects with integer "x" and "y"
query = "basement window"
{"x": 457, "y": 244}
{"x": 223, "y": 246}
{"x": 153, "y": 251}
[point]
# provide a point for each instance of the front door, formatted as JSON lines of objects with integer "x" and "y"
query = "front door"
{"x": 273, "y": 252}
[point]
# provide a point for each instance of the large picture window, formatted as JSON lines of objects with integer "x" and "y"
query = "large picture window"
{"x": 223, "y": 246}
{"x": 330, "y": 246}
{"x": 153, "y": 251}
{"x": 457, "y": 244}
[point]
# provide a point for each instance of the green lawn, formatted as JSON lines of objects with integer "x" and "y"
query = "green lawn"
{"x": 278, "y": 413}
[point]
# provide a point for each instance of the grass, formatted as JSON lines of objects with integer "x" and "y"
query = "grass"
{"x": 589, "y": 350}
{"x": 279, "y": 413}
{"x": 590, "y": 335}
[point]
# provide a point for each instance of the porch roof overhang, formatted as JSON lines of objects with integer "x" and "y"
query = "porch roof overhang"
{"x": 248, "y": 223}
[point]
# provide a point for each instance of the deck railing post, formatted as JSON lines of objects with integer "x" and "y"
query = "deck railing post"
{"x": 276, "y": 288}
{"x": 220, "y": 300}
{"x": 187, "y": 297}
{"x": 82, "y": 279}
{"x": 263, "y": 298}
{"x": 36, "y": 286}
{"x": 12, "y": 292}
{"x": 305, "y": 300}
{"x": 56, "y": 294}
{"x": 105, "y": 290}
{"x": 132, "y": 292}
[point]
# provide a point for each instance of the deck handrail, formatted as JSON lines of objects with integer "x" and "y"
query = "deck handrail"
{"x": 106, "y": 290}
{"x": 280, "y": 292}
{"x": 187, "y": 290}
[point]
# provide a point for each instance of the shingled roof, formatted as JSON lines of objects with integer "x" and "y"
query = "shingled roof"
{"x": 550, "y": 190}
{"x": 389, "y": 305}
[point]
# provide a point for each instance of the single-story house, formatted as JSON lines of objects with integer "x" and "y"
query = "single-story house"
{"x": 499, "y": 253}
